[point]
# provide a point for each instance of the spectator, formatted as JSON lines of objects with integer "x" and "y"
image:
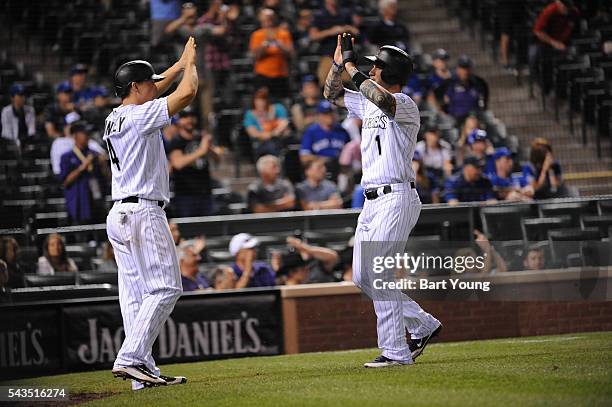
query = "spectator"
{"x": 480, "y": 147}
{"x": 294, "y": 269}
{"x": 18, "y": 119}
{"x": 300, "y": 32}
{"x": 327, "y": 24}
{"x": 248, "y": 271}
{"x": 466, "y": 93}
{"x": 414, "y": 88}
{"x": 199, "y": 242}
{"x": 544, "y": 172}
{"x": 81, "y": 174}
{"x": 55, "y": 259}
{"x": 266, "y": 124}
{"x": 350, "y": 157}
{"x": 304, "y": 111}
{"x": 436, "y": 154}
{"x": 471, "y": 123}
{"x": 108, "y": 264}
{"x": 426, "y": 181}
{"x": 189, "y": 153}
{"x": 358, "y": 198}
{"x": 534, "y": 258}
{"x": 5, "y": 292}
{"x": 320, "y": 261}
{"x": 188, "y": 263}
{"x": 99, "y": 110}
{"x": 508, "y": 186}
{"x": 224, "y": 278}
{"x": 469, "y": 185}
{"x": 176, "y": 233}
{"x": 82, "y": 94}
{"x": 553, "y": 29}
{"x": 325, "y": 138}
{"x": 56, "y": 113}
{"x": 387, "y": 30}
{"x": 220, "y": 21}
{"x": 162, "y": 13}
{"x": 438, "y": 80}
{"x": 315, "y": 192}
{"x": 270, "y": 193}
{"x": 9, "y": 253}
{"x": 493, "y": 262}
{"x": 272, "y": 48}
{"x": 511, "y": 21}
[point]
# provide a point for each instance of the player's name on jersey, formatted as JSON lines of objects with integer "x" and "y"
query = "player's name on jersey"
{"x": 427, "y": 284}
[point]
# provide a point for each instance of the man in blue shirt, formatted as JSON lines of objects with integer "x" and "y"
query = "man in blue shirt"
{"x": 467, "y": 92}
{"x": 326, "y": 138}
{"x": 162, "y": 13}
{"x": 188, "y": 262}
{"x": 81, "y": 173}
{"x": 478, "y": 144}
{"x": 469, "y": 185}
{"x": 509, "y": 186}
{"x": 248, "y": 271}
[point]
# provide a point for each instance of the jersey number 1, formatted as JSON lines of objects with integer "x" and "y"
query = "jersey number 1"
{"x": 112, "y": 154}
{"x": 377, "y": 138}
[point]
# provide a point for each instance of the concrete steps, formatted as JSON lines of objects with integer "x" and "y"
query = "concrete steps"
{"x": 432, "y": 27}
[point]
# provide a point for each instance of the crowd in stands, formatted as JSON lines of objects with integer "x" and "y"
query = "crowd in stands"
{"x": 461, "y": 154}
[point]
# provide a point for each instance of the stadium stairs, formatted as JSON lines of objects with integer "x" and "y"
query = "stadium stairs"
{"x": 432, "y": 27}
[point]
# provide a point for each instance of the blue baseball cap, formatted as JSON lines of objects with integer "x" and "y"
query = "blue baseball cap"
{"x": 63, "y": 87}
{"x": 502, "y": 152}
{"x": 325, "y": 107}
{"x": 100, "y": 91}
{"x": 17, "y": 89}
{"x": 476, "y": 135}
{"x": 78, "y": 68}
{"x": 310, "y": 78}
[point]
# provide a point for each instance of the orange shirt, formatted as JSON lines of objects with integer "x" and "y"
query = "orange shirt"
{"x": 273, "y": 63}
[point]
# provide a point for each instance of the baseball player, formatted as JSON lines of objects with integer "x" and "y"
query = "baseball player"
{"x": 149, "y": 277}
{"x": 389, "y": 132}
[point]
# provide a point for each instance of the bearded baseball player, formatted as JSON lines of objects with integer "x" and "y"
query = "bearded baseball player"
{"x": 389, "y": 133}
{"x": 149, "y": 276}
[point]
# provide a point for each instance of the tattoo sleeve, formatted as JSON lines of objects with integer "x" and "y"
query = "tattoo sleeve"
{"x": 333, "y": 90}
{"x": 376, "y": 93}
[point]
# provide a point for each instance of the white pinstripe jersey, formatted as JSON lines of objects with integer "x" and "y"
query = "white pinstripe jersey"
{"x": 387, "y": 145}
{"x": 138, "y": 161}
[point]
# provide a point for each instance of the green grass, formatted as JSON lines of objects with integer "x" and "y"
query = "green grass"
{"x": 568, "y": 370}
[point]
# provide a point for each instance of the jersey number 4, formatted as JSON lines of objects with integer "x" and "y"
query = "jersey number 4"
{"x": 377, "y": 138}
{"x": 112, "y": 154}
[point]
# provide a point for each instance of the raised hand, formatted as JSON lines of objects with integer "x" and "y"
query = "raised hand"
{"x": 348, "y": 53}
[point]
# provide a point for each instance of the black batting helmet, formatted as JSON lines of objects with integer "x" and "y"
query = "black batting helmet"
{"x": 133, "y": 71}
{"x": 396, "y": 64}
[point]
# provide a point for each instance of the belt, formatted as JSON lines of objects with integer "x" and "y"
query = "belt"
{"x": 373, "y": 193}
{"x": 135, "y": 199}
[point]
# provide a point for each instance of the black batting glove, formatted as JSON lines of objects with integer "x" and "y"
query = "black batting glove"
{"x": 346, "y": 44}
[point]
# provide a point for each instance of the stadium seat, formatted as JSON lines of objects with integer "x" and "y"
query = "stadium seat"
{"x": 604, "y": 206}
{"x": 565, "y": 243}
{"x": 64, "y": 292}
{"x": 536, "y": 229}
{"x": 504, "y": 222}
{"x": 97, "y": 278}
{"x": 574, "y": 209}
{"x": 603, "y": 222}
{"x": 36, "y": 280}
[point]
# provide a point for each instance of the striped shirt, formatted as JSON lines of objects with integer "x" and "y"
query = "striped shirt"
{"x": 138, "y": 162}
{"x": 387, "y": 145}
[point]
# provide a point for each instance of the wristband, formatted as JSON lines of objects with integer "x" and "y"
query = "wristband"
{"x": 358, "y": 78}
{"x": 339, "y": 68}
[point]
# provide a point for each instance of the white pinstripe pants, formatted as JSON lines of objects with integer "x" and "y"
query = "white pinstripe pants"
{"x": 149, "y": 276}
{"x": 390, "y": 218}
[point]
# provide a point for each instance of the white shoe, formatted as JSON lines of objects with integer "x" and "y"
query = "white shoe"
{"x": 172, "y": 380}
{"x": 139, "y": 373}
{"x": 383, "y": 361}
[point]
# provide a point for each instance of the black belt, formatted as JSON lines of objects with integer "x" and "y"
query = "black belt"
{"x": 372, "y": 193}
{"x": 135, "y": 199}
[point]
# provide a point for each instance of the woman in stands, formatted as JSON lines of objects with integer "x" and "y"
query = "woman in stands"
{"x": 55, "y": 259}
{"x": 436, "y": 154}
{"x": 544, "y": 172}
{"x": 426, "y": 183}
{"x": 267, "y": 124}
{"x": 9, "y": 252}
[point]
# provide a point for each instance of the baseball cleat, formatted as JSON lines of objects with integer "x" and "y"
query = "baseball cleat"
{"x": 172, "y": 380}
{"x": 139, "y": 373}
{"x": 383, "y": 361}
{"x": 417, "y": 346}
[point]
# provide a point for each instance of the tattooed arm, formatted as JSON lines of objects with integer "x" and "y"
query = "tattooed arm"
{"x": 374, "y": 92}
{"x": 333, "y": 90}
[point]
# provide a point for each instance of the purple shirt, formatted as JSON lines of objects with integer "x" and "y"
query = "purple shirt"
{"x": 262, "y": 275}
{"x": 78, "y": 194}
{"x": 199, "y": 283}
